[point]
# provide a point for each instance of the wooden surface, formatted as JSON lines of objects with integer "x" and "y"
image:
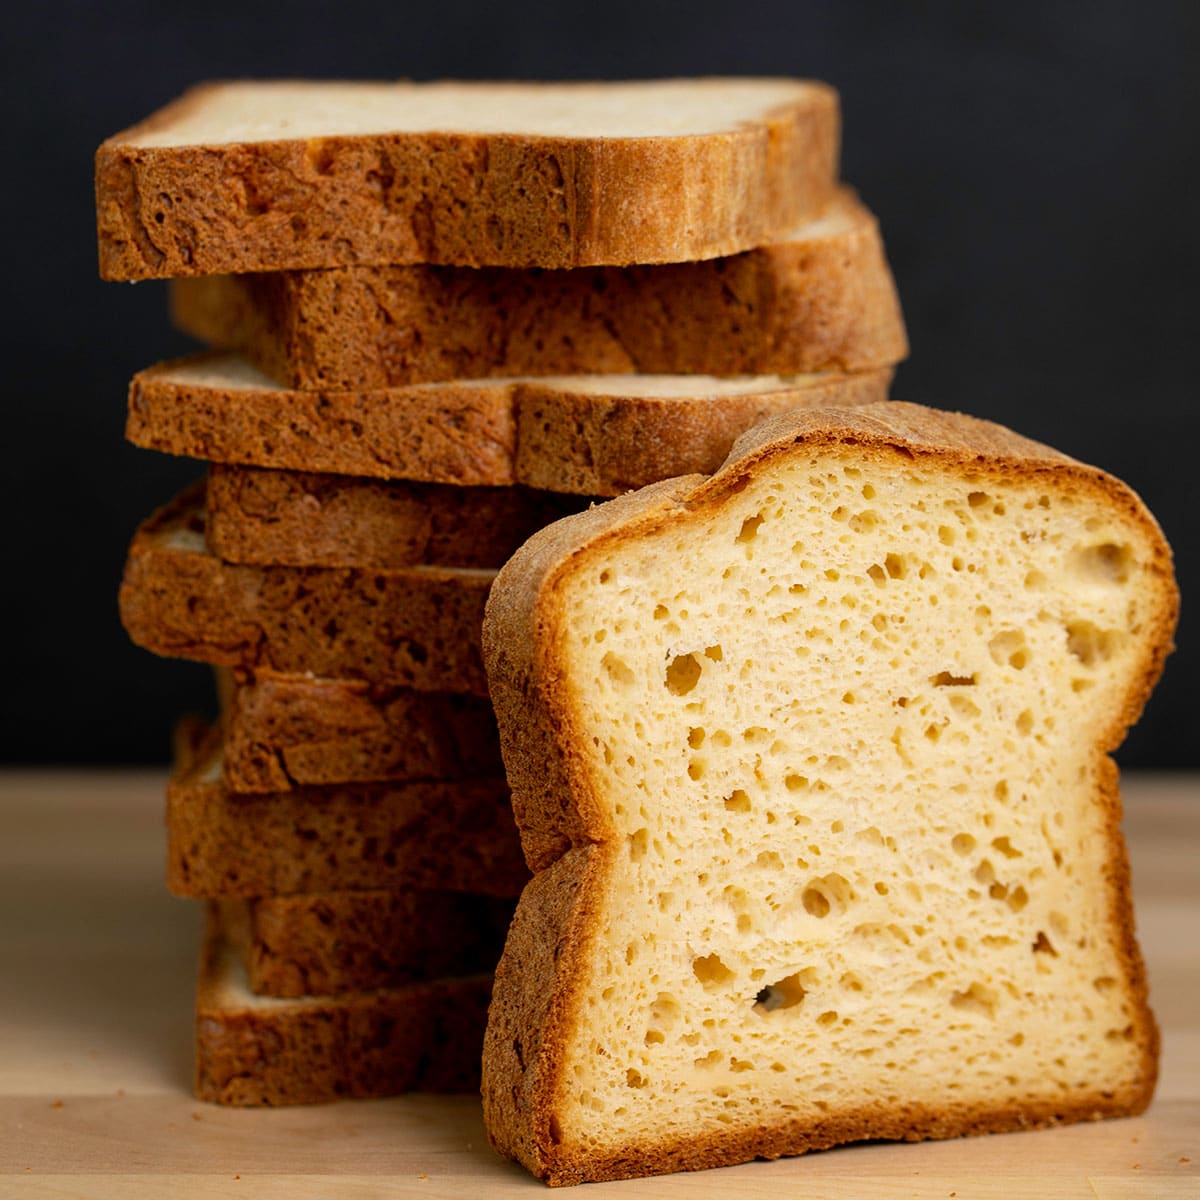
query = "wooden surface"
{"x": 96, "y": 975}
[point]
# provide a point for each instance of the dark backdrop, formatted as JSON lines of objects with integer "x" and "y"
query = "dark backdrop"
{"x": 1034, "y": 166}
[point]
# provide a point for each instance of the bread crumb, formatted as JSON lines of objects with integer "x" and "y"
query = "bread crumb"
{"x": 197, "y": 1117}
{"x": 422, "y": 1177}
{"x": 57, "y": 1104}
{"x": 1183, "y": 1158}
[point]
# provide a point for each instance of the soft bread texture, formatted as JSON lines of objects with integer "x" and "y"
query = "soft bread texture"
{"x": 455, "y": 835}
{"x": 285, "y": 730}
{"x": 266, "y": 176}
{"x": 362, "y": 941}
{"x": 820, "y": 299}
{"x": 302, "y": 518}
{"x": 415, "y": 627}
{"x": 258, "y": 1050}
{"x": 587, "y": 435}
{"x": 811, "y": 758}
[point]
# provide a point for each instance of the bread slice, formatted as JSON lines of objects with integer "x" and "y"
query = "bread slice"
{"x": 286, "y": 730}
{"x": 446, "y": 835}
{"x": 271, "y": 175}
{"x": 821, "y": 299}
{"x": 302, "y": 518}
{"x": 590, "y": 435}
{"x": 811, "y": 758}
{"x": 259, "y": 1050}
{"x": 362, "y": 941}
{"x": 412, "y": 627}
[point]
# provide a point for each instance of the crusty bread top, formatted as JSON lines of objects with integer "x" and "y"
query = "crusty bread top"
{"x": 273, "y": 110}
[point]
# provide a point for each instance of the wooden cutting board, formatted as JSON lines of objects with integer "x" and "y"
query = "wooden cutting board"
{"x": 97, "y": 966}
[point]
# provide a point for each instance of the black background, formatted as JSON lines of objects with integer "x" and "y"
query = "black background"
{"x": 1034, "y": 167}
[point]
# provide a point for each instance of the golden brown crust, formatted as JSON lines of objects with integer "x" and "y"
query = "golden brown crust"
{"x": 302, "y": 518}
{"x": 823, "y": 299}
{"x": 456, "y": 836}
{"x": 314, "y": 945}
{"x": 412, "y": 627}
{"x": 284, "y": 730}
{"x": 561, "y": 812}
{"x": 478, "y": 433}
{"x": 419, "y": 1037}
{"x": 471, "y": 200}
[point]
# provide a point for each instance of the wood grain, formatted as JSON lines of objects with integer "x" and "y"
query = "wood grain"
{"x": 97, "y": 968}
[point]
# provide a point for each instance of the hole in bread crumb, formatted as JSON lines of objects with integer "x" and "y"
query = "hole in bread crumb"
{"x": 711, "y": 971}
{"x": 711, "y": 1059}
{"x": 661, "y": 612}
{"x": 1006, "y": 847}
{"x": 977, "y": 499}
{"x": 617, "y": 669}
{"x": 1043, "y": 945}
{"x": 1025, "y": 722}
{"x": 1018, "y": 898}
{"x": 962, "y": 843}
{"x": 749, "y": 530}
{"x": 635, "y": 1079}
{"x": 786, "y": 993}
{"x": 696, "y": 737}
{"x": 977, "y": 998}
{"x": 815, "y": 902}
{"x": 1105, "y": 983}
{"x": 683, "y": 673}
{"x": 639, "y": 842}
{"x": 737, "y": 801}
{"x": 713, "y": 653}
{"x": 1090, "y": 644}
{"x": 949, "y": 679}
{"x": 827, "y": 1018}
{"x": 1105, "y": 563}
{"x": 1008, "y": 648}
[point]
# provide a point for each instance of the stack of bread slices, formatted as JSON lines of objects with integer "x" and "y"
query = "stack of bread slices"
{"x": 441, "y": 317}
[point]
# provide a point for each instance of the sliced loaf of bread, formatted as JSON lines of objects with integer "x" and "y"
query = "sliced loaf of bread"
{"x": 589, "y": 435}
{"x": 446, "y": 835}
{"x": 820, "y": 299}
{"x": 312, "y": 945}
{"x": 270, "y": 175}
{"x": 274, "y": 517}
{"x": 263, "y": 1050}
{"x": 811, "y": 758}
{"x": 285, "y": 730}
{"x": 412, "y": 627}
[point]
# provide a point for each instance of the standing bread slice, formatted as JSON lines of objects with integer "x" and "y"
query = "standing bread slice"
{"x": 273, "y": 175}
{"x": 811, "y": 759}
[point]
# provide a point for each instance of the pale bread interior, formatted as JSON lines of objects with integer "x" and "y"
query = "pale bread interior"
{"x": 231, "y": 372}
{"x": 284, "y": 109}
{"x": 845, "y": 725}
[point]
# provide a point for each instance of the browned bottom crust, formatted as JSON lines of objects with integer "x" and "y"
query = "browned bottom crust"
{"x": 361, "y": 941}
{"x": 413, "y": 627}
{"x": 903, "y": 1122}
{"x": 822, "y": 299}
{"x": 457, "y": 836}
{"x": 307, "y": 519}
{"x": 287, "y": 730}
{"x": 421, "y": 1037}
{"x": 546, "y": 434}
